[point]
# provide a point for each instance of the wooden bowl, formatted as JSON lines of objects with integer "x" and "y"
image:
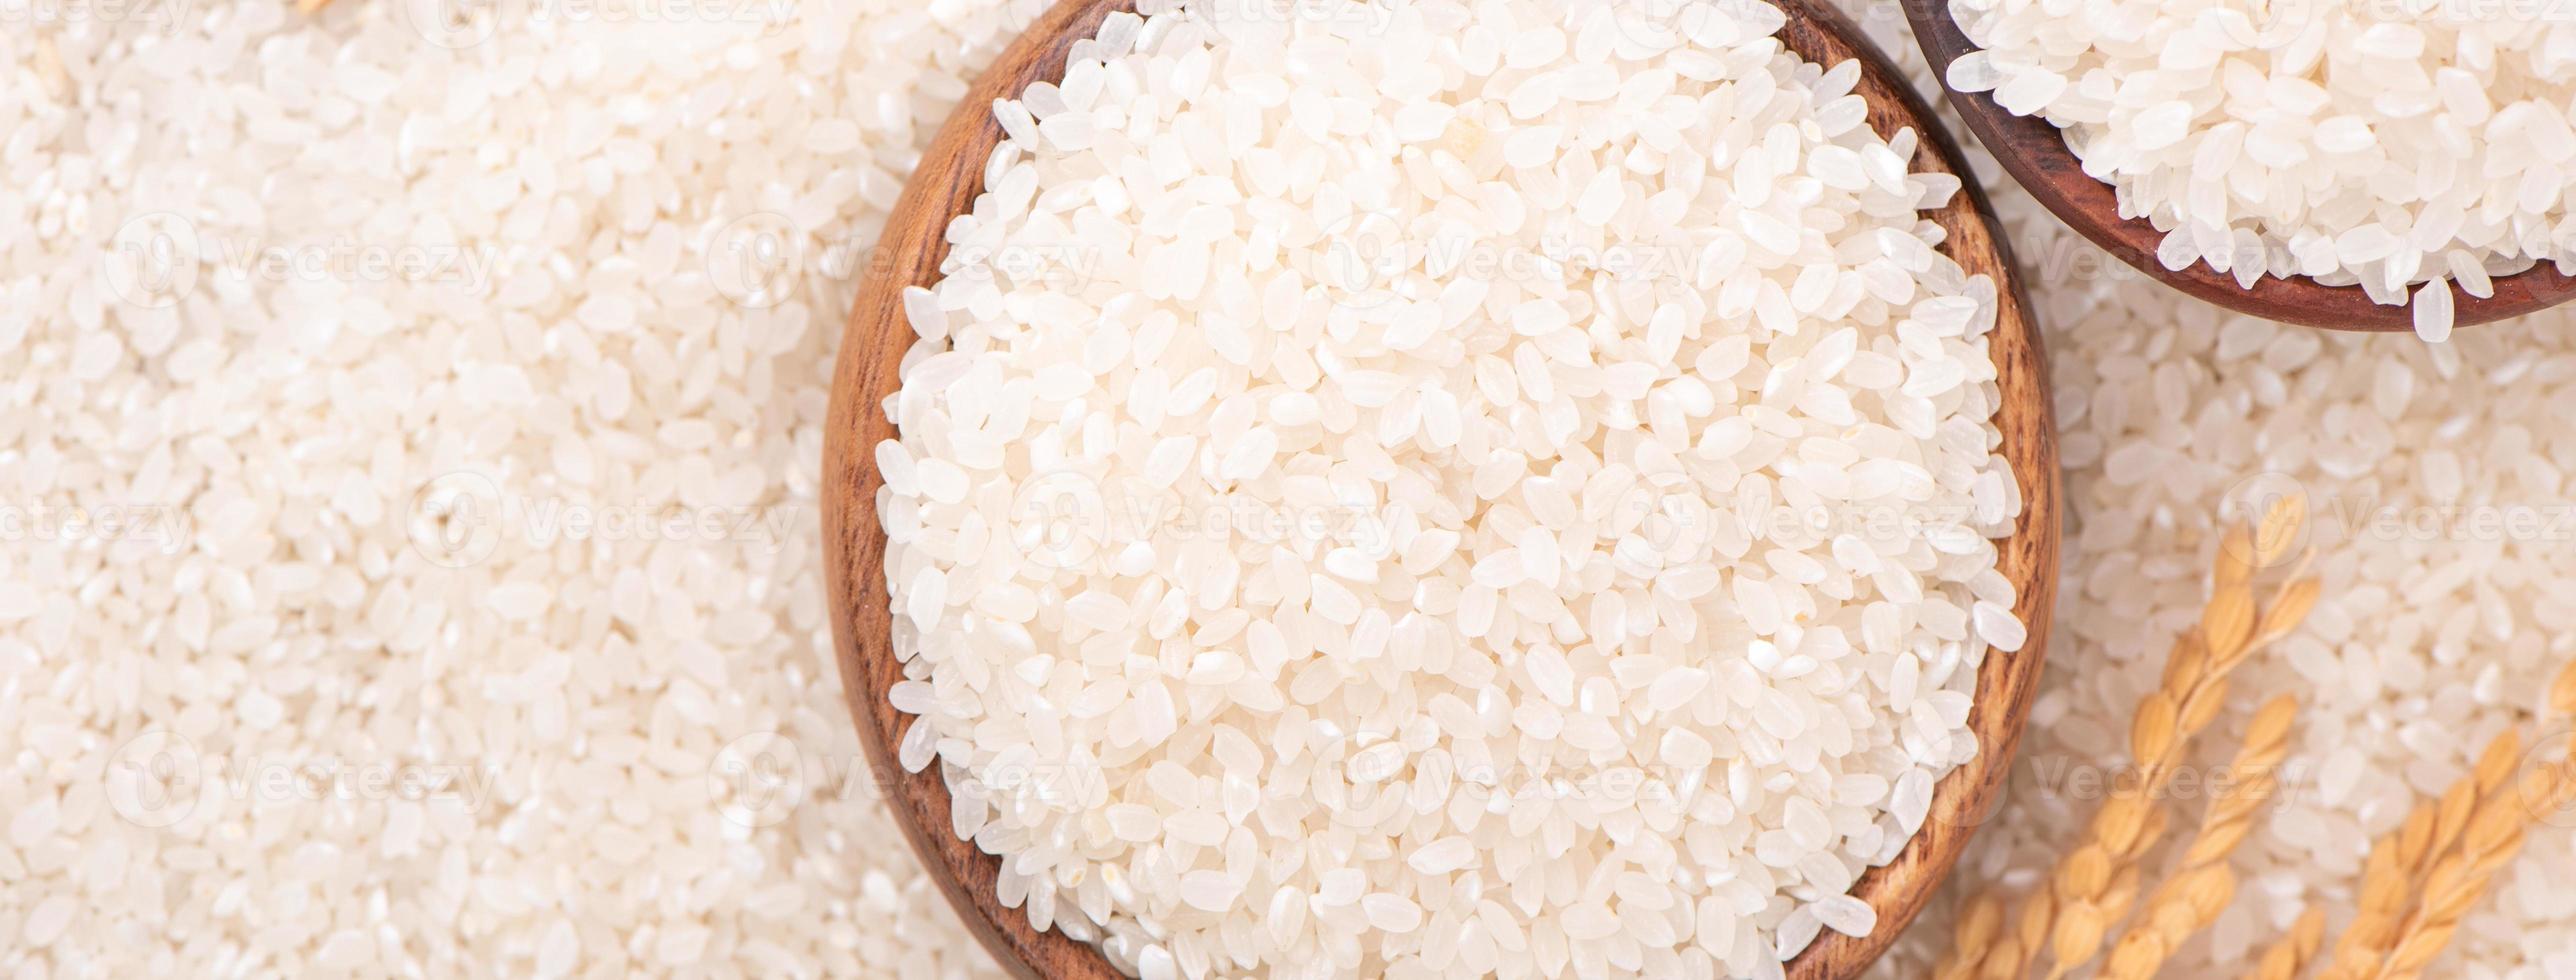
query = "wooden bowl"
{"x": 946, "y": 183}
{"x": 2035, "y": 153}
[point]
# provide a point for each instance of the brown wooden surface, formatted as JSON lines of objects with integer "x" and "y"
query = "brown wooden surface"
{"x": 2035, "y": 154}
{"x": 946, "y": 183}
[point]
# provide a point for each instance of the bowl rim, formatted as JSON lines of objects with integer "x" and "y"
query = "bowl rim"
{"x": 876, "y": 335}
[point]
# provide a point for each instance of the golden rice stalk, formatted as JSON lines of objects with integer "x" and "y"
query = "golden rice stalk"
{"x": 2080, "y": 887}
{"x": 2202, "y": 883}
{"x": 2384, "y": 897}
{"x": 2232, "y": 628}
{"x": 2123, "y": 893}
{"x": 2238, "y": 540}
{"x": 1981, "y": 922}
{"x": 2230, "y": 815}
{"x": 2004, "y": 962}
{"x": 2488, "y": 838}
{"x": 2186, "y": 904}
{"x": 2093, "y": 886}
{"x": 2227, "y": 623}
{"x": 2290, "y": 606}
{"x": 2399, "y": 864}
{"x": 2278, "y": 531}
{"x": 2030, "y": 935}
{"x": 2295, "y": 951}
{"x": 2460, "y": 879}
{"x": 2562, "y": 692}
{"x": 2562, "y": 701}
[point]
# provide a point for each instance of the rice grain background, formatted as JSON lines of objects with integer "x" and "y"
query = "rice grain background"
{"x": 408, "y": 539}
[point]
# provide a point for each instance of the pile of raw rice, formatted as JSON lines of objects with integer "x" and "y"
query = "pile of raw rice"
{"x": 2412, "y": 149}
{"x": 615, "y": 695}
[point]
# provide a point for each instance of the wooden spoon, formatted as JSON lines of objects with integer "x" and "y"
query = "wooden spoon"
{"x": 2035, "y": 154}
{"x": 946, "y": 183}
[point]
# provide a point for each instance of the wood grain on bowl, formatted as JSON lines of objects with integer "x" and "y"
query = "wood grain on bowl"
{"x": 2036, "y": 155}
{"x": 874, "y": 341}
